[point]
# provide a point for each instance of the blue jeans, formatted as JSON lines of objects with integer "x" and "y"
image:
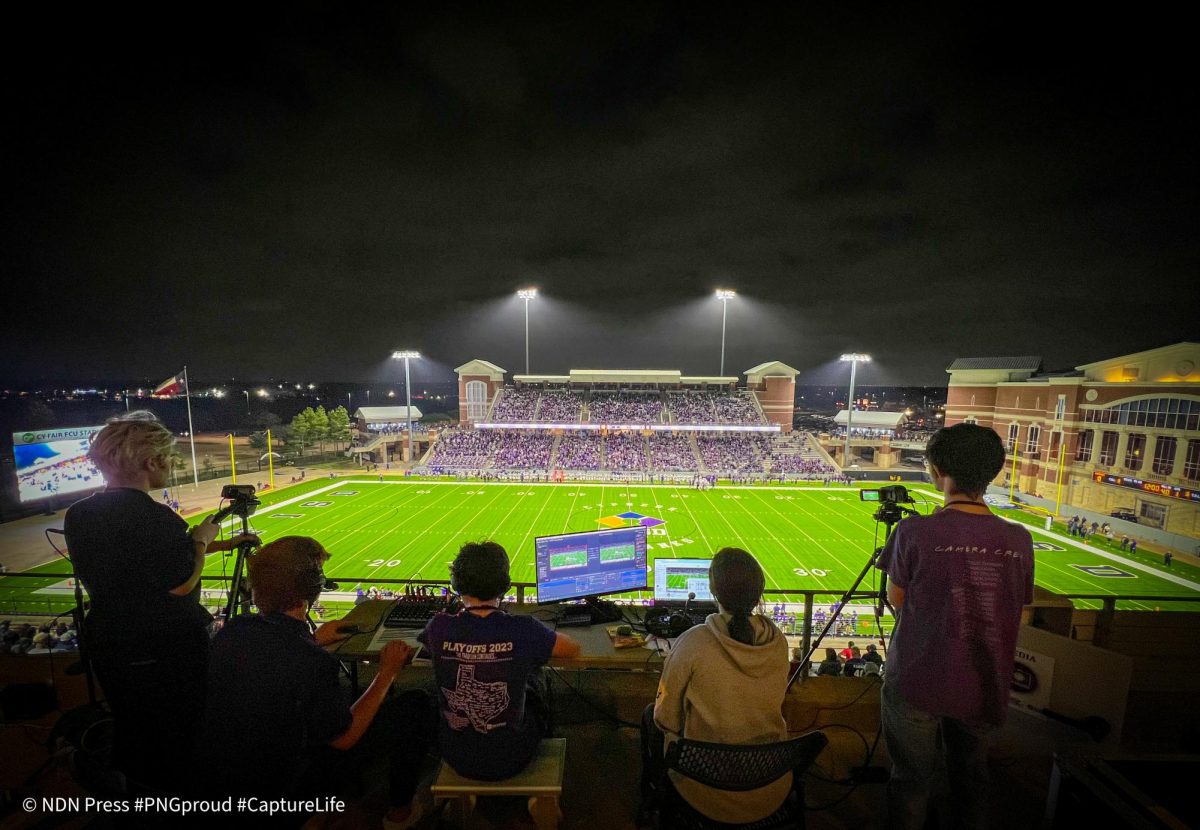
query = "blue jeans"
{"x": 918, "y": 742}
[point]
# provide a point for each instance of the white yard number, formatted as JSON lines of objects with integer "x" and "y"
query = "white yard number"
{"x": 424, "y": 492}
{"x": 380, "y": 563}
{"x": 813, "y": 572}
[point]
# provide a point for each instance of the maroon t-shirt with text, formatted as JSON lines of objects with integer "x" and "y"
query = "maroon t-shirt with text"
{"x": 966, "y": 577}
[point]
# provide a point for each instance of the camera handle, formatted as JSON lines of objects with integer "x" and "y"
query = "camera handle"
{"x": 889, "y": 519}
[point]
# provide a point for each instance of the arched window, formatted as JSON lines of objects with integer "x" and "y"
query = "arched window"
{"x": 476, "y": 400}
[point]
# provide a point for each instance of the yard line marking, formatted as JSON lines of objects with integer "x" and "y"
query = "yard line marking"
{"x": 417, "y": 573}
{"x": 736, "y": 535}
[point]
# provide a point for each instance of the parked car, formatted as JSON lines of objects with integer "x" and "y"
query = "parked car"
{"x": 1124, "y": 513}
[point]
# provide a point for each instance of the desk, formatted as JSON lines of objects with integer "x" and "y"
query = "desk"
{"x": 598, "y": 651}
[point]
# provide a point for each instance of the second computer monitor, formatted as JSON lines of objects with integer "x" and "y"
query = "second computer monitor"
{"x": 674, "y": 579}
{"x": 589, "y": 564}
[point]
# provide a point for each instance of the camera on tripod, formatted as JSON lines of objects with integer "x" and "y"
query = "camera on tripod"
{"x": 889, "y": 500}
{"x": 242, "y": 500}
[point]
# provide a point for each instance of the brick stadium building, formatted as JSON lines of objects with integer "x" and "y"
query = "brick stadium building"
{"x": 1121, "y": 433}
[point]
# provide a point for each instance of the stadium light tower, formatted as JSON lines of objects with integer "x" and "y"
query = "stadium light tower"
{"x": 527, "y": 294}
{"x": 724, "y": 295}
{"x": 245, "y": 392}
{"x": 854, "y": 360}
{"x": 406, "y": 355}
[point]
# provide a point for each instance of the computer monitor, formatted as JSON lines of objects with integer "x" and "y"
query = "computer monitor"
{"x": 590, "y": 564}
{"x": 674, "y": 579}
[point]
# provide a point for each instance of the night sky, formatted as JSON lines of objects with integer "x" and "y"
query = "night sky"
{"x": 297, "y": 193}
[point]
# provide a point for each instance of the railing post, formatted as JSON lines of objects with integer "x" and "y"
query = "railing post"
{"x": 1104, "y": 622}
{"x": 520, "y": 595}
{"x": 806, "y": 642}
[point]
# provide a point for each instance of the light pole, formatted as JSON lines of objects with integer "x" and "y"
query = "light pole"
{"x": 406, "y": 355}
{"x": 854, "y": 360}
{"x": 246, "y": 392}
{"x": 724, "y": 295}
{"x": 349, "y": 403}
{"x": 527, "y": 294}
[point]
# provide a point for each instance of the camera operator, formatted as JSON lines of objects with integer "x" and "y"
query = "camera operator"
{"x": 279, "y": 724}
{"x": 145, "y": 633}
{"x": 959, "y": 580}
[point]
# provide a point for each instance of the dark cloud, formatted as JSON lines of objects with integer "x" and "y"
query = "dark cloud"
{"x": 298, "y": 194}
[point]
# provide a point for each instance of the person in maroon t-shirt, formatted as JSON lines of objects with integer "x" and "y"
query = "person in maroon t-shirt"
{"x": 958, "y": 581}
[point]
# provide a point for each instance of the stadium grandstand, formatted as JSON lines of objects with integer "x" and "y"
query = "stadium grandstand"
{"x": 633, "y": 424}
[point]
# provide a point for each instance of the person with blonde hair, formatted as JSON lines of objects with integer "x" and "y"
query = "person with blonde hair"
{"x": 146, "y": 633}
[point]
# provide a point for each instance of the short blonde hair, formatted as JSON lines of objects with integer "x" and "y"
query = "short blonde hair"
{"x": 127, "y": 442}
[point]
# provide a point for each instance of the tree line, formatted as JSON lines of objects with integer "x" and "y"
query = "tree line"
{"x": 312, "y": 427}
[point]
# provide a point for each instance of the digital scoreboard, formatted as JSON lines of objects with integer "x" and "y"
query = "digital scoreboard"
{"x": 1153, "y": 487}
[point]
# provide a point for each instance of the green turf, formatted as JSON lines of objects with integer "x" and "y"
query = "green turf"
{"x": 808, "y": 538}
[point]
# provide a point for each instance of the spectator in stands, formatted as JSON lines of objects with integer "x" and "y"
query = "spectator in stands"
{"x": 848, "y": 651}
{"x": 831, "y": 666}
{"x": 147, "y": 633}
{"x": 724, "y": 681}
{"x": 853, "y": 663}
{"x": 491, "y": 695}
{"x": 277, "y": 700}
{"x": 872, "y": 655}
{"x": 952, "y": 658}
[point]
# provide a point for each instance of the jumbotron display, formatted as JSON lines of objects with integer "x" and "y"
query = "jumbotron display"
{"x": 52, "y": 462}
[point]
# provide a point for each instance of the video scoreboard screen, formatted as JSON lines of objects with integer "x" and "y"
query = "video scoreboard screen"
{"x": 52, "y": 462}
{"x": 1153, "y": 487}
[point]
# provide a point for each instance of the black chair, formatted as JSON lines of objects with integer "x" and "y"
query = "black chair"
{"x": 737, "y": 768}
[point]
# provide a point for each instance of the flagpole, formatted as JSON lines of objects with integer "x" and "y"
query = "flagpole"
{"x": 187, "y": 394}
{"x": 270, "y": 463}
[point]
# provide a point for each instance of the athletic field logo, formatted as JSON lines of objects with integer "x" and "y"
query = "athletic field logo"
{"x": 1107, "y": 571}
{"x": 1046, "y": 546}
{"x": 622, "y": 519}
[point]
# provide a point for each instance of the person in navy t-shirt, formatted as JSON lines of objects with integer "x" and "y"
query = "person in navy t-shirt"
{"x": 484, "y": 661}
{"x": 959, "y": 580}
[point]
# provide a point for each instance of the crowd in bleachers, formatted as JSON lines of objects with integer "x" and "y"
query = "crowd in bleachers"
{"x": 516, "y": 405}
{"x": 736, "y": 409}
{"x": 625, "y": 451}
{"x": 671, "y": 453}
{"x": 465, "y": 448}
{"x": 624, "y": 408}
{"x": 743, "y": 456}
{"x": 732, "y": 452}
{"x": 579, "y": 451}
{"x": 559, "y": 407}
{"x": 30, "y": 639}
{"x": 524, "y": 450}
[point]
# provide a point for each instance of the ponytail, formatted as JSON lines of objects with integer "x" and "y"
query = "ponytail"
{"x": 740, "y": 628}
{"x": 737, "y": 583}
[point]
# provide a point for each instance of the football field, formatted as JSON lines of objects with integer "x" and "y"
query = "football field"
{"x": 806, "y": 537}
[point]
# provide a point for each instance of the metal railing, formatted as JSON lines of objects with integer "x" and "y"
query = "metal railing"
{"x": 804, "y": 628}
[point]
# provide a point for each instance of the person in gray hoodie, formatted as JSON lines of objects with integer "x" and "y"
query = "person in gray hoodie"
{"x": 724, "y": 682}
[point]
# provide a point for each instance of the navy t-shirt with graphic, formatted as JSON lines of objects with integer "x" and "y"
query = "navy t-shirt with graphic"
{"x": 481, "y": 666}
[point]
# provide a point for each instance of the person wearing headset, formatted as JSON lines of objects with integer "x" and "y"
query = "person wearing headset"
{"x": 279, "y": 724}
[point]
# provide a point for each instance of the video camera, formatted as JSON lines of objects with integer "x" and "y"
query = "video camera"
{"x": 893, "y": 493}
{"x": 242, "y": 502}
{"x": 889, "y": 500}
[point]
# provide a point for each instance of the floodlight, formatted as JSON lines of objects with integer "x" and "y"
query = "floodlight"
{"x": 859, "y": 358}
{"x": 725, "y": 294}
{"x": 527, "y": 294}
{"x": 405, "y": 354}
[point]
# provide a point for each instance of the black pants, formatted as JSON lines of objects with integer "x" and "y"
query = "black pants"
{"x": 157, "y": 704}
{"x": 654, "y": 767}
{"x": 401, "y": 733}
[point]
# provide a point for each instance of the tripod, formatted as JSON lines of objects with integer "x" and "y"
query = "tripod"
{"x": 237, "y": 602}
{"x": 889, "y": 513}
